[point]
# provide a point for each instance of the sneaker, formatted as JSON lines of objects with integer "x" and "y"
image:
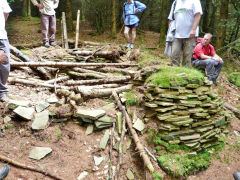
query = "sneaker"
{"x": 46, "y": 44}
{"x": 4, "y": 97}
{"x": 132, "y": 46}
{"x": 4, "y": 172}
{"x": 53, "y": 44}
{"x": 128, "y": 45}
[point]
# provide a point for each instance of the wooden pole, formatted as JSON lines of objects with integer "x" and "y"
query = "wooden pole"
{"x": 68, "y": 64}
{"x": 139, "y": 146}
{"x": 65, "y": 38}
{"x": 77, "y": 29}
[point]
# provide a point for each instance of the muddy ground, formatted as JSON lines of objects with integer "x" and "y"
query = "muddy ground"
{"x": 73, "y": 151}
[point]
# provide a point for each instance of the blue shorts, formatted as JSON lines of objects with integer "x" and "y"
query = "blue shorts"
{"x": 132, "y": 26}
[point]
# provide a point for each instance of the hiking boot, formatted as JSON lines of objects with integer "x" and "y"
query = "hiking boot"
{"x": 46, "y": 44}
{"x": 236, "y": 175}
{"x": 128, "y": 45}
{"x": 52, "y": 44}
{"x": 214, "y": 82}
{"x": 4, "y": 172}
{"x": 4, "y": 97}
{"x": 132, "y": 46}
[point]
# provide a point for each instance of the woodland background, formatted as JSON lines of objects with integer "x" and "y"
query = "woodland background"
{"x": 220, "y": 17}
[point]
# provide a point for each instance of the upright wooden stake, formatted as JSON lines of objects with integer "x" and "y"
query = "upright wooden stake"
{"x": 62, "y": 33}
{"x": 65, "y": 38}
{"x": 77, "y": 29}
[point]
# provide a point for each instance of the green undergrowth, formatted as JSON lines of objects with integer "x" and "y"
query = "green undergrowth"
{"x": 179, "y": 161}
{"x": 133, "y": 98}
{"x": 234, "y": 78}
{"x": 177, "y": 75}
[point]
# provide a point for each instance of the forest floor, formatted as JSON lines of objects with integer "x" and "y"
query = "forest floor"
{"x": 73, "y": 151}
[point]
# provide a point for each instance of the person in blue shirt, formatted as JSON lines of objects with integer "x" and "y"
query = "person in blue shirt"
{"x": 131, "y": 21}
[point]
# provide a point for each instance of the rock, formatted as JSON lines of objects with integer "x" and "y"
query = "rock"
{"x": 192, "y": 86}
{"x": 104, "y": 140}
{"x": 191, "y": 145}
{"x": 202, "y": 115}
{"x": 185, "y": 91}
{"x": 165, "y": 109}
{"x": 181, "y": 113}
{"x": 220, "y": 122}
{"x": 39, "y": 152}
{"x": 104, "y": 122}
{"x": 40, "y": 120}
{"x": 41, "y": 106}
{"x": 52, "y": 100}
{"x": 13, "y": 104}
{"x": 186, "y": 122}
{"x": 165, "y": 117}
{"x": 90, "y": 114}
{"x": 202, "y": 123}
{"x": 194, "y": 136}
{"x": 89, "y": 129}
{"x": 83, "y": 175}
{"x": 195, "y": 110}
{"x": 6, "y": 120}
{"x": 110, "y": 106}
{"x": 178, "y": 118}
{"x": 168, "y": 96}
{"x": 151, "y": 105}
{"x": 24, "y": 112}
{"x": 163, "y": 103}
{"x": 203, "y": 129}
{"x": 119, "y": 122}
{"x": 139, "y": 125}
{"x": 98, "y": 160}
{"x": 168, "y": 127}
{"x": 190, "y": 102}
{"x": 201, "y": 89}
{"x": 203, "y": 97}
{"x": 130, "y": 175}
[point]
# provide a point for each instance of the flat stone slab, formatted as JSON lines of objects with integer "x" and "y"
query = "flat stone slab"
{"x": 185, "y": 138}
{"x": 110, "y": 106}
{"x": 98, "y": 160}
{"x": 24, "y": 112}
{"x": 40, "y": 120}
{"x": 90, "y": 114}
{"x": 13, "y": 104}
{"x": 89, "y": 129}
{"x": 139, "y": 125}
{"x": 39, "y": 152}
{"x": 41, "y": 106}
{"x": 104, "y": 140}
{"x": 83, "y": 175}
{"x": 6, "y": 120}
{"x": 52, "y": 100}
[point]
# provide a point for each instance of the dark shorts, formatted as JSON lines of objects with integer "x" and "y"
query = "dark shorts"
{"x": 132, "y": 25}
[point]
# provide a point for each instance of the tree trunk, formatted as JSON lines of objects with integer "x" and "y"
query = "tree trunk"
{"x": 223, "y": 16}
{"x": 205, "y": 16}
{"x": 163, "y": 22}
{"x": 24, "y": 8}
{"x": 114, "y": 30}
{"x": 211, "y": 26}
{"x": 69, "y": 19}
{"x": 29, "y": 8}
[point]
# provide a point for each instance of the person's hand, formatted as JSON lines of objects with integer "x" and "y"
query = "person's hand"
{"x": 192, "y": 34}
{"x": 3, "y": 57}
{"x": 40, "y": 6}
{"x": 136, "y": 11}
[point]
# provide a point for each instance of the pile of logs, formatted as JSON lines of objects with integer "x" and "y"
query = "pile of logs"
{"x": 76, "y": 80}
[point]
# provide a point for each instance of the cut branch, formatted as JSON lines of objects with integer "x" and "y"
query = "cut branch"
{"x": 233, "y": 109}
{"x": 139, "y": 146}
{"x": 112, "y": 69}
{"x": 101, "y": 90}
{"x": 84, "y": 75}
{"x": 23, "y": 166}
{"x": 98, "y": 81}
{"x": 68, "y": 64}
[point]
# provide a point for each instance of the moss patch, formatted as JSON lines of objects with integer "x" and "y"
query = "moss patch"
{"x": 133, "y": 98}
{"x": 234, "y": 78}
{"x": 175, "y": 75}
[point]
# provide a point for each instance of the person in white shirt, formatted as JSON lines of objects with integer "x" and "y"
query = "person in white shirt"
{"x": 186, "y": 15}
{"x": 4, "y": 51}
{"x": 48, "y": 20}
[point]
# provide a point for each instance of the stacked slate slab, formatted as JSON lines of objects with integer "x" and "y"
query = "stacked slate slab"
{"x": 187, "y": 114}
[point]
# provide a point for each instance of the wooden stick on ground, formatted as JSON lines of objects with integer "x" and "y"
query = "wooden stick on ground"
{"x": 139, "y": 146}
{"x": 233, "y": 109}
{"x": 120, "y": 148}
{"x": 68, "y": 64}
{"x": 23, "y": 166}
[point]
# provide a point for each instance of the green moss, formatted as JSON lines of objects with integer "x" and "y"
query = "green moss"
{"x": 183, "y": 164}
{"x": 133, "y": 98}
{"x": 177, "y": 75}
{"x": 234, "y": 78}
{"x": 157, "y": 176}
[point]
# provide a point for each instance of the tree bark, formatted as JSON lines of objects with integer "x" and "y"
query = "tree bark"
{"x": 98, "y": 81}
{"x": 139, "y": 146}
{"x": 114, "y": 30}
{"x": 102, "y": 90}
{"x": 69, "y": 19}
{"x": 205, "y": 16}
{"x": 84, "y": 75}
{"x": 77, "y": 30}
{"x": 233, "y": 109}
{"x": 221, "y": 33}
{"x": 70, "y": 94}
{"x": 63, "y": 78}
{"x": 68, "y": 64}
{"x": 113, "y": 69}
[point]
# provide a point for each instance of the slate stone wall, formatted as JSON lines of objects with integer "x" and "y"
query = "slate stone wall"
{"x": 189, "y": 114}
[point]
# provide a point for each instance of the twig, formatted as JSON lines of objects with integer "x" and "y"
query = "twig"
{"x": 23, "y": 166}
{"x": 150, "y": 154}
{"x": 86, "y": 58}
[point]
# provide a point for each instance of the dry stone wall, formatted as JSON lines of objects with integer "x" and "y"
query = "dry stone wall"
{"x": 189, "y": 114}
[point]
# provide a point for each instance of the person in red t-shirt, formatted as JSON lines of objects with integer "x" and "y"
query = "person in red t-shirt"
{"x": 204, "y": 56}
